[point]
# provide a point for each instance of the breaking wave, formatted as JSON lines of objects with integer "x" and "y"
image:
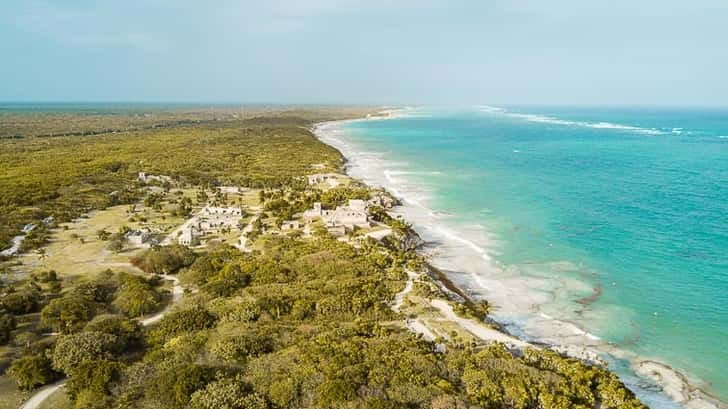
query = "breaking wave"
{"x": 565, "y": 122}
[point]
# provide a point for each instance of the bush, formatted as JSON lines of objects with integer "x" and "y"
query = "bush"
{"x": 100, "y": 290}
{"x": 226, "y": 282}
{"x": 208, "y": 265}
{"x": 164, "y": 260}
{"x": 227, "y": 394}
{"x": 32, "y": 371}
{"x": 241, "y": 347}
{"x": 93, "y": 377}
{"x": 7, "y": 325}
{"x": 244, "y": 311}
{"x": 46, "y": 276}
{"x": 68, "y": 314}
{"x": 175, "y": 385}
{"x": 188, "y": 320}
{"x": 136, "y": 297}
{"x": 91, "y": 399}
{"x": 117, "y": 242}
{"x": 21, "y": 302}
{"x": 341, "y": 195}
{"x": 72, "y": 350}
{"x": 128, "y": 332}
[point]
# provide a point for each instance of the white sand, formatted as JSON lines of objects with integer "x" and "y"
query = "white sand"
{"x": 476, "y": 328}
{"x": 418, "y": 327}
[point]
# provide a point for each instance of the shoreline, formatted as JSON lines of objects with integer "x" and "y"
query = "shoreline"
{"x": 566, "y": 337}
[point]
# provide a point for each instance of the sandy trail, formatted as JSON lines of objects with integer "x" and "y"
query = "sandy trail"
{"x": 476, "y": 328}
{"x": 419, "y": 327}
{"x": 399, "y": 297}
{"x": 177, "y": 293}
{"x": 242, "y": 245}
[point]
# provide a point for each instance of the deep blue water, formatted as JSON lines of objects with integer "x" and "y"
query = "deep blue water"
{"x": 636, "y": 198}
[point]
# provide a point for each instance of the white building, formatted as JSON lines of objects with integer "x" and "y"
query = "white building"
{"x": 221, "y": 211}
{"x": 144, "y": 177}
{"x": 187, "y": 236}
{"x": 211, "y": 219}
{"x": 229, "y": 189}
{"x": 353, "y": 215}
{"x": 381, "y": 200}
{"x": 138, "y": 237}
{"x": 357, "y": 205}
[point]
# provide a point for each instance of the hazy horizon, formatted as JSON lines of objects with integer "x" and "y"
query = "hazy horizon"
{"x": 327, "y": 52}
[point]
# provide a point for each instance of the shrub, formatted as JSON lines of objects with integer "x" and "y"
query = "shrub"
{"x": 188, "y": 320}
{"x": 240, "y": 347}
{"x": 68, "y": 314}
{"x": 46, "y": 276}
{"x": 127, "y": 332}
{"x": 117, "y": 242}
{"x": 72, "y": 350}
{"x": 32, "y": 371}
{"x": 226, "y": 282}
{"x": 175, "y": 385}
{"x": 21, "y": 302}
{"x": 136, "y": 297}
{"x": 227, "y": 394}
{"x": 7, "y": 325}
{"x": 164, "y": 260}
{"x": 93, "y": 377}
{"x": 245, "y": 311}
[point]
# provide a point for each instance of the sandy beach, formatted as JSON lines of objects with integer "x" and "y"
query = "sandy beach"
{"x": 519, "y": 298}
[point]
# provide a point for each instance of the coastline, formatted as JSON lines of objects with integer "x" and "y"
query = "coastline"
{"x": 656, "y": 383}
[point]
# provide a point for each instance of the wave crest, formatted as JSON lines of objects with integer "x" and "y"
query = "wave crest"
{"x": 565, "y": 122}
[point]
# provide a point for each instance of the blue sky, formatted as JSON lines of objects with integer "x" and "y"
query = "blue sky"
{"x": 622, "y": 52}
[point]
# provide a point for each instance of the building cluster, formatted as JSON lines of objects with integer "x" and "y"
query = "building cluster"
{"x": 209, "y": 220}
{"x": 232, "y": 190}
{"x": 141, "y": 238}
{"x": 146, "y": 178}
{"x": 382, "y": 200}
{"x": 342, "y": 219}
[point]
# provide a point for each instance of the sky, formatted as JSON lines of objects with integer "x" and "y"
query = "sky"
{"x": 438, "y": 52}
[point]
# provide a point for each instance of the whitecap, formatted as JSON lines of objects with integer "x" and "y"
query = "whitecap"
{"x": 565, "y": 122}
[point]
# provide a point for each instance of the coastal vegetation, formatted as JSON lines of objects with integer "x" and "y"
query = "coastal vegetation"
{"x": 297, "y": 320}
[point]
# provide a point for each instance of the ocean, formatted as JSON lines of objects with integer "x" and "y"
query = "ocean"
{"x": 604, "y": 228}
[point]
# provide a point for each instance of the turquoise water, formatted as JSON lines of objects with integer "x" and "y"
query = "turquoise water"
{"x": 635, "y": 200}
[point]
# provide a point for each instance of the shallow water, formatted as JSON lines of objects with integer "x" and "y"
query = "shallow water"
{"x": 613, "y": 221}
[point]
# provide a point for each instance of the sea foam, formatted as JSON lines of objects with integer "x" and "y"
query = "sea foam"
{"x": 565, "y": 122}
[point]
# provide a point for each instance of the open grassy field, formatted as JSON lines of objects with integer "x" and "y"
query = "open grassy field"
{"x": 10, "y": 396}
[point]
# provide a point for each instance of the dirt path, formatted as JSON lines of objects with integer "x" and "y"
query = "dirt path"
{"x": 476, "y": 328}
{"x": 243, "y": 243}
{"x": 399, "y": 297}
